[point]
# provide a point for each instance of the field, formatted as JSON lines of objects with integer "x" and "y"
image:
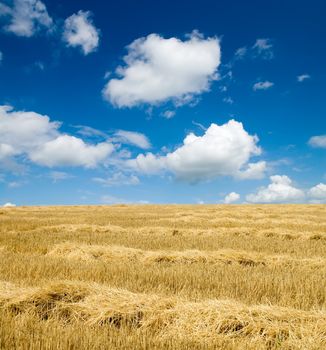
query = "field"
{"x": 163, "y": 277}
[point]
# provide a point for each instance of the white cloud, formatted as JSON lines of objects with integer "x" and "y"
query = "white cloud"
{"x": 149, "y": 164}
{"x": 280, "y": 190}
{"x": 35, "y": 136}
{"x": 262, "y": 85}
{"x": 168, "y": 114}
{"x": 158, "y": 69}
{"x": 253, "y": 171}
{"x": 4, "y": 9}
{"x": 318, "y": 141}
{"x": 231, "y": 198}
{"x": 228, "y": 100}
{"x": 318, "y": 193}
{"x": 79, "y": 30}
{"x": 88, "y": 131}
{"x": 132, "y": 138}
{"x": 118, "y": 179}
{"x": 240, "y": 53}
{"x": 24, "y": 130}
{"x": 68, "y": 150}
{"x": 222, "y": 151}
{"x": 15, "y": 184}
{"x": 9, "y": 205}
{"x": 303, "y": 77}
{"x": 27, "y": 17}
{"x": 6, "y": 151}
{"x": 263, "y": 48}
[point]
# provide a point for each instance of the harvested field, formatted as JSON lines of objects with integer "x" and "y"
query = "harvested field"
{"x": 163, "y": 277}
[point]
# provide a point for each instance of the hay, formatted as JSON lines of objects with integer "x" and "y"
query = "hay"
{"x": 90, "y": 253}
{"x": 224, "y": 277}
{"x": 203, "y": 321}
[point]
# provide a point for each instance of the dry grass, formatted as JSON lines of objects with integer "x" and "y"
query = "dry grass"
{"x": 163, "y": 277}
{"x": 206, "y": 321}
{"x": 113, "y": 254}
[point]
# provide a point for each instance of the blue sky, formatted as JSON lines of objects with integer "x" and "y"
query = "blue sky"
{"x": 162, "y": 102}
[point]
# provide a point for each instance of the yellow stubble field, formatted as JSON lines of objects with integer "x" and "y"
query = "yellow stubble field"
{"x": 163, "y": 277}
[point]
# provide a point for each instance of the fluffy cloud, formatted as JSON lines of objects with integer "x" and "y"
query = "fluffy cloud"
{"x": 9, "y": 205}
{"x": 279, "y": 190}
{"x": 318, "y": 141}
{"x": 132, "y": 138}
{"x": 222, "y": 151}
{"x": 262, "y": 85}
{"x": 35, "y": 136}
{"x": 318, "y": 193}
{"x": 66, "y": 150}
{"x": 27, "y": 17}
{"x": 25, "y": 130}
{"x": 303, "y": 77}
{"x": 79, "y": 30}
{"x": 263, "y": 48}
{"x": 253, "y": 171}
{"x": 6, "y": 151}
{"x": 118, "y": 179}
{"x": 158, "y": 69}
{"x": 231, "y": 198}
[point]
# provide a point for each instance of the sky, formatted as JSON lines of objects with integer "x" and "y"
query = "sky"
{"x": 162, "y": 102}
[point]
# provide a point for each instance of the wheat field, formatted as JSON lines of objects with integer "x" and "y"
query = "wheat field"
{"x": 163, "y": 277}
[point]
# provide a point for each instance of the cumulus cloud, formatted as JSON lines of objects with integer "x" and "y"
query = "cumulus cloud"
{"x": 317, "y": 193}
{"x": 79, "y": 31}
{"x": 158, "y": 69}
{"x": 39, "y": 139}
{"x": 280, "y": 190}
{"x": 253, "y": 171}
{"x": 262, "y": 85}
{"x": 318, "y": 141}
{"x": 222, "y": 151}
{"x": 118, "y": 179}
{"x": 22, "y": 130}
{"x": 9, "y": 205}
{"x": 303, "y": 77}
{"x": 132, "y": 138}
{"x": 6, "y": 151}
{"x": 263, "y": 48}
{"x": 66, "y": 150}
{"x": 26, "y": 17}
{"x": 231, "y": 198}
